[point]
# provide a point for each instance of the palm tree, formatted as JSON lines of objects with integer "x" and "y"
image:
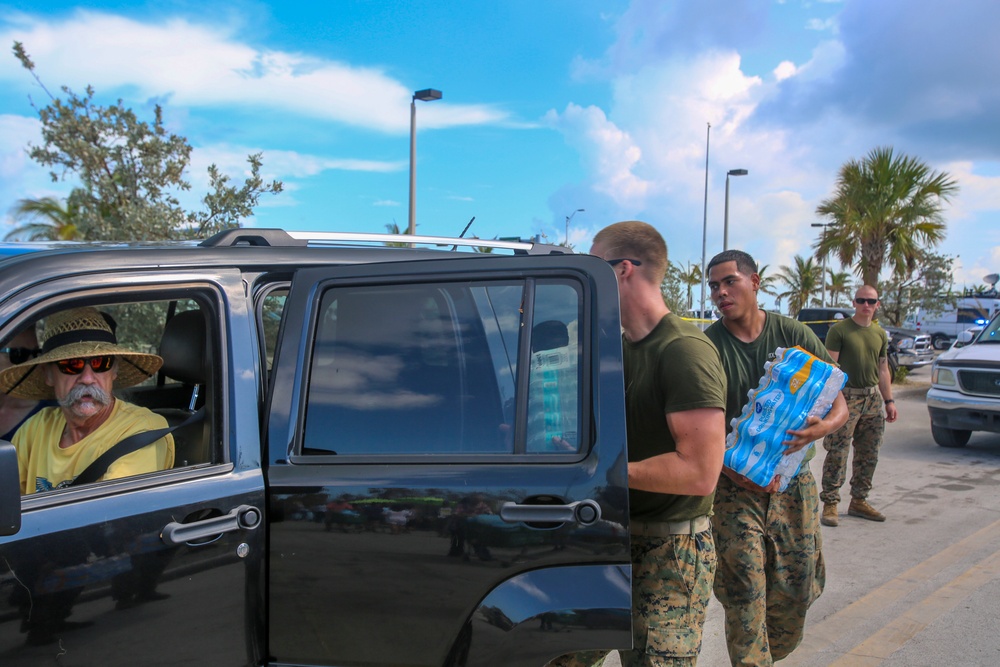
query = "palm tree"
{"x": 46, "y": 219}
{"x": 839, "y": 284}
{"x": 803, "y": 281}
{"x": 394, "y": 229}
{"x": 768, "y": 282}
{"x": 690, "y": 277}
{"x": 885, "y": 208}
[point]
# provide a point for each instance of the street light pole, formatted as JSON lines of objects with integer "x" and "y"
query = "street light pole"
{"x": 568, "y": 218}
{"x": 426, "y": 95}
{"x": 704, "y": 223}
{"x": 725, "y": 226}
{"x": 822, "y": 234}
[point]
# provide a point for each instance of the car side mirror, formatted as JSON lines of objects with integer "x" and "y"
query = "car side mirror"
{"x": 10, "y": 490}
{"x": 965, "y": 337}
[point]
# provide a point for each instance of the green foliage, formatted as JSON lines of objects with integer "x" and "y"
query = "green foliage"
{"x": 45, "y": 219}
{"x": 689, "y": 277}
{"x": 673, "y": 288}
{"x": 803, "y": 280}
{"x": 885, "y": 209}
{"x": 902, "y": 373}
{"x": 926, "y": 286}
{"x": 131, "y": 171}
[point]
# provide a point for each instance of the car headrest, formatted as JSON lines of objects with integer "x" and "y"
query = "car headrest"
{"x": 183, "y": 347}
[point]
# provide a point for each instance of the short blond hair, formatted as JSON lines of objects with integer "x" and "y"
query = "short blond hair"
{"x": 633, "y": 239}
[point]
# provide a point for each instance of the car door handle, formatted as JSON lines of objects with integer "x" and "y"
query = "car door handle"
{"x": 583, "y": 512}
{"x": 243, "y": 517}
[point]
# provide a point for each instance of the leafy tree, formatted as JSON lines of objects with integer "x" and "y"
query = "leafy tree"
{"x": 928, "y": 287}
{"x": 885, "y": 209}
{"x": 45, "y": 219}
{"x": 802, "y": 280}
{"x": 393, "y": 228}
{"x": 131, "y": 171}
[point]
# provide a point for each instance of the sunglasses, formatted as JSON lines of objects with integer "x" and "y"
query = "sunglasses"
{"x": 76, "y": 366}
{"x": 870, "y": 302}
{"x": 19, "y": 355}
{"x": 635, "y": 262}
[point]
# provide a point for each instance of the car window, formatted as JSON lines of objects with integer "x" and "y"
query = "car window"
{"x": 180, "y": 333}
{"x": 434, "y": 368}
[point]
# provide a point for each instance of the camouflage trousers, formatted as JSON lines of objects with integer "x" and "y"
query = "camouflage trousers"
{"x": 671, "y": 589}
{"x": 865, "y": 426}
{"x": 770, "y": 566}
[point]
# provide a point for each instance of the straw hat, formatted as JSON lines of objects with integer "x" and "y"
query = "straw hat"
{"x": 79, "y": 332}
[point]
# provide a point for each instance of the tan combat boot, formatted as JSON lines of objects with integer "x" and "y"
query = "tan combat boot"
{"x": 859, "y": 507}
{"x": 829, "y": 516}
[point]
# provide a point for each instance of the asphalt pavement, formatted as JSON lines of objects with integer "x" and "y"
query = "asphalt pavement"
{"x": 921, "y": 588}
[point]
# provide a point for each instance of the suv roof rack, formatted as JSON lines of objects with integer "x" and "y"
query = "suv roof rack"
{"x": 281, "y": 238}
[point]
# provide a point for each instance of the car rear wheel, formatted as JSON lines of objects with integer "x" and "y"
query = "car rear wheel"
{"x": 950, "y": 437}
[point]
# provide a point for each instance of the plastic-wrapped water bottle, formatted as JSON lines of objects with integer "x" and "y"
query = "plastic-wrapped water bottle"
{"x": 795, "y": 386}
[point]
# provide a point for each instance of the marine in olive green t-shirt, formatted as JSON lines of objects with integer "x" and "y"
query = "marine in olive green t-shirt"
{"x": 673, "y": 369}
{"x": 744, "y": 362}
{"x": 860, "y": 351}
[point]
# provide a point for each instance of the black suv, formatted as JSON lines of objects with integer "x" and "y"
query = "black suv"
{"x": 398, "y": 455}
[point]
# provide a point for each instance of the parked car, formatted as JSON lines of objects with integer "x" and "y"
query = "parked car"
{"x": 911, "y": 349}
{"x": 821, "y": 319}
{"x": 965, "y": 389}
{"x": 404, "y": 456}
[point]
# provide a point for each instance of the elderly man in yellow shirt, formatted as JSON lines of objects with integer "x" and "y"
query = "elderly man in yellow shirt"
{"x": 79, "y": 366}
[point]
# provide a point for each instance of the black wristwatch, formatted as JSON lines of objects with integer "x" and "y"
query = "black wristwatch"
{"x": 889, "y": 400}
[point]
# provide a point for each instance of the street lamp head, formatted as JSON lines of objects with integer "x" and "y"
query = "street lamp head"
{"x": 737, "y": 172}
{"x": 427, "y": 95}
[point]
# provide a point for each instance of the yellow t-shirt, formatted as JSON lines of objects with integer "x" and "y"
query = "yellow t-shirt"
{"x": 45, "y": 466}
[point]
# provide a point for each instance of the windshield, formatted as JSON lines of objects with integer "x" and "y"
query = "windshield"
{"x": 991, "y": 334}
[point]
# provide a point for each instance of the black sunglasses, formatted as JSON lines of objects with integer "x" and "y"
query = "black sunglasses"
{"x": 870, "y": 302}
{"x": 19, "y": 355}
{"x": 635, "y": 262}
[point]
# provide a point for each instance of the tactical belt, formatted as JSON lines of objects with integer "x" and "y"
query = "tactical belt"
{"x": 859, "y": 391}
{"x": 699, "y": 524}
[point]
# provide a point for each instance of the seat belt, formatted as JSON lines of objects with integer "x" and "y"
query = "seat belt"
{"x": 132, "y": 443}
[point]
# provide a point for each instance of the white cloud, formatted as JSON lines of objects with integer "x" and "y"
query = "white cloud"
{"x": 199, "y": 66}
{"x": 608, "y": 152}
{"x": 386, "y": 202}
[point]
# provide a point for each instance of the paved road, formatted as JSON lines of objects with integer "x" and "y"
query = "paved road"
{"x": 921, "y": 588}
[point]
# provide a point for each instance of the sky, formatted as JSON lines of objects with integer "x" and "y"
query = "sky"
{"x": 548, "y": 107}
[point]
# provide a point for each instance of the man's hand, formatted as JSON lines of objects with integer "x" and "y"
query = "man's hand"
{"x": 890, "y": 412}
{"x": 817, "y": 428}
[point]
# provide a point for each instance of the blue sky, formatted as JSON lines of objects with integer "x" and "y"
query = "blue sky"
{"x": 548, "y": 107}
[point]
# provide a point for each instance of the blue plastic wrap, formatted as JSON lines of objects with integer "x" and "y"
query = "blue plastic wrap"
{"x": 795, "y": 386}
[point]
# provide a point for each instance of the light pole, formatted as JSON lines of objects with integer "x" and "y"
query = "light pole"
{"x": 426, "y": 95}
{"x": 704, "y": 223}
{"x": 822, "y": 235}
{"x": 568, "y": 218}
{"x": 725, "y": 226}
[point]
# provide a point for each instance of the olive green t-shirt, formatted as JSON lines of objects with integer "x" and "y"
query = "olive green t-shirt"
{"x": 673, "y": 369}
{"x": 860, "y": 349}
{"x": 744, "y": 362}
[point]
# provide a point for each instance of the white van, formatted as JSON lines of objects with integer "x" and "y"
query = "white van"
{"x": 943, "y": 327}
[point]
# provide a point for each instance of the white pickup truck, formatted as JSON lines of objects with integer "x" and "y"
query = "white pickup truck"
{"x": 965, "y": 388}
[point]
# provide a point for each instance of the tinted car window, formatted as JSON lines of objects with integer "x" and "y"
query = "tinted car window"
{"x": 432, "y": 369}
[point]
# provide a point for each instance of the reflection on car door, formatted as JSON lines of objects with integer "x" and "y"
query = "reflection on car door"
{"x": 438, "y": 475}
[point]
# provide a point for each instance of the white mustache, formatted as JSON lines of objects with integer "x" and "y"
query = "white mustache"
{"x": 85, "y": 390}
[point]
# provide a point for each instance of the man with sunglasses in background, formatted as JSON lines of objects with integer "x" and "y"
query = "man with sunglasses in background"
{"x": 15, "y": 411}
{"x": 860, "y": 346}
{"x": 79, "y": 366}
{"x": 675, "y": 394}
